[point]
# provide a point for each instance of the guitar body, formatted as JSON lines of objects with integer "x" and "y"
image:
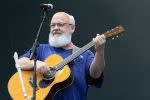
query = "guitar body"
{"x": 45, "y": 89}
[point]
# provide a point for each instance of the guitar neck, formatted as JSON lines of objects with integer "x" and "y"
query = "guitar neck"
{"x": 74, "y": 55}
{"x": 107, "y": 34}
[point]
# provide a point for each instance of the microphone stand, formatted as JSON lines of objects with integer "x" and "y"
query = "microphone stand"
{"x": 33, "y": 54}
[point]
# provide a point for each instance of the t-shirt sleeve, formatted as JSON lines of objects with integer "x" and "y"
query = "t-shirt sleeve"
{"x": 27, "y": 54}
{"x": 91, "y": 81}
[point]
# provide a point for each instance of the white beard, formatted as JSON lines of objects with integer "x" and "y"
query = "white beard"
{"x": 59, "y": 41}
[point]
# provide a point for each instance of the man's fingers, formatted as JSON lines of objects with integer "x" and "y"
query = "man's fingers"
{"x": 43, "y": 69}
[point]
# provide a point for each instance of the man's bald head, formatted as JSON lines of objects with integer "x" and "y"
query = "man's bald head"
{"x": 62, "y": 16}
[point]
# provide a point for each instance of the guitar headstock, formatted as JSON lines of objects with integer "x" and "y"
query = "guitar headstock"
{"x": 115, "y": 31}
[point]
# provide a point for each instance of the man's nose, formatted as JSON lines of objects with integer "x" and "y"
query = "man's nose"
{"x": 56, "y": 27}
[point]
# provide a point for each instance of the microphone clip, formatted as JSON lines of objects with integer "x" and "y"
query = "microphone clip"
{"x": 46, "y": 6}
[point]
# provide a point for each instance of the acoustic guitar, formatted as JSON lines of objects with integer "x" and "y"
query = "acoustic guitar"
{"x": 59, "y": 76}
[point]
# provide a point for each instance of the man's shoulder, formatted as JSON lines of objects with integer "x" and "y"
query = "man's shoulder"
{"x": 89, "y": 52}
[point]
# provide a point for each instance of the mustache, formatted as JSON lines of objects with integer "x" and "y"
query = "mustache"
{"x": 56, "y": 32}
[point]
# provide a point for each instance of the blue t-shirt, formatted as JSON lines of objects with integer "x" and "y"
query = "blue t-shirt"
{"x": 79, "y": 69}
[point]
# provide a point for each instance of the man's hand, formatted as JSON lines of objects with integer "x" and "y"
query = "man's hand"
{"x": 99, "y": 41}
{"x": 42, "y": 67}
{"x": 27, "y": 64}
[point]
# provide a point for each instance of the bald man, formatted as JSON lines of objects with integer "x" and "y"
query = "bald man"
{"x": 87, "y": 69}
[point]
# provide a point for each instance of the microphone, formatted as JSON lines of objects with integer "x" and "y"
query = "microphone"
{"x": 46, "y": 6}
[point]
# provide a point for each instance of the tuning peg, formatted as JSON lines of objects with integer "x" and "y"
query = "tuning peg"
{"x": 117, "y": 36}
{"x": 113, "y": 38}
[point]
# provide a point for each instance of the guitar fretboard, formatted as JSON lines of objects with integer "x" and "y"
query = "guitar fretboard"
{"x": 74, "y": 55}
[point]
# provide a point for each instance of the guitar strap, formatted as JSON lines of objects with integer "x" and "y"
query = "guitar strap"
{"x": 75, "y": 48}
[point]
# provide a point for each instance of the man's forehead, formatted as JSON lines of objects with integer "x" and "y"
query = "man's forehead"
{"x": 62, "y": 17}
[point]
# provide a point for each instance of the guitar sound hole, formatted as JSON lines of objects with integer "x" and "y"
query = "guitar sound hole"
{"x": 45, "y": 83}
{"x": 50, "y": 75}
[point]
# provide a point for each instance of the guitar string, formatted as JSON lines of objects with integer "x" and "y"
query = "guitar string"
{"x": 74, "y": 55}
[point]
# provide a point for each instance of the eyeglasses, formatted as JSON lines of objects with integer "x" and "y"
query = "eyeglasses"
{"x": 59, "y": 24}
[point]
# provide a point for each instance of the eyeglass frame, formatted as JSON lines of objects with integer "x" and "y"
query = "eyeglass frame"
{"x": 59, "y": 24}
